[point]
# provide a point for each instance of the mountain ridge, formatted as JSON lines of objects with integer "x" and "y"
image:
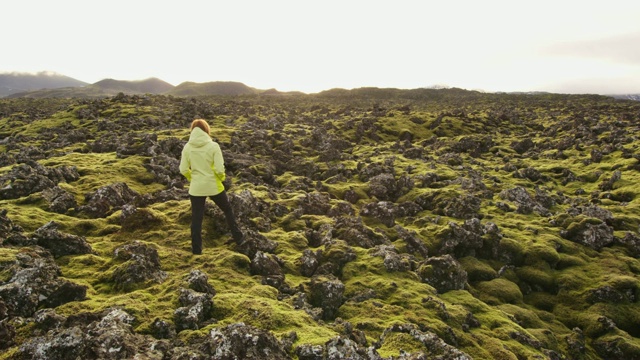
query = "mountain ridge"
{"x": 16, "y": 82}
{"x": 46, "y": 84}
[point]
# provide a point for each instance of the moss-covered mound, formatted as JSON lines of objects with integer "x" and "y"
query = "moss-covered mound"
{"x": 379, "y": 224}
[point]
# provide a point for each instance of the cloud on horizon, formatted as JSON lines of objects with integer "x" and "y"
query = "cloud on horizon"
{"x": 621, "y": 48}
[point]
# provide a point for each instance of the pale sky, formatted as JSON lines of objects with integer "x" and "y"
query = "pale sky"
{"x": 559, "y": 46}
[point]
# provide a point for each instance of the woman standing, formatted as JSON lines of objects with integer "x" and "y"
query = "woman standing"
{"x": 202, "y": 164}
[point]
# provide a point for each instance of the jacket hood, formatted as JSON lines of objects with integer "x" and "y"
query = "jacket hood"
{"x": 199, "y": 138}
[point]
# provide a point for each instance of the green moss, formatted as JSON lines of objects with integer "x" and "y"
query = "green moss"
{"x": 98, "y": 170}
{"x": 524, "y": 317}
{"x": 477, "y": 270}
{"x": 7, "y": 258}
{"x": 541, "y": 300}
{"x": 536, "y": 253}
{"x": 565, "y": 261}
{"x": 395, "y": 343}
{"x": 533, "y": 276}
{"x": 499, "y": 291}
{"x": 551, "y": 264}
{"x": 626, "y": 345}
{"x": 626, "y": 316}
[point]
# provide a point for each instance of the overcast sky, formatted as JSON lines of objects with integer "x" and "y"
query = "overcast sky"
{"x": 559, "y": 46}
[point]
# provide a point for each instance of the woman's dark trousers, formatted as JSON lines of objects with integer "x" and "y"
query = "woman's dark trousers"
{"x": 197, "y": 214}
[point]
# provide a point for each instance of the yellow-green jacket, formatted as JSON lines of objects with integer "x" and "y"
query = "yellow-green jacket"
{"x": 202, "y": 164}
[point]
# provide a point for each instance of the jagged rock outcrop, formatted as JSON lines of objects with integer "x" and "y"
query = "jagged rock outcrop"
{"x": 435, "y": 347}
{"x": 173, "y": 193}
{"x": 472, "y": 238}
{"x": 590, "y": 232}
{"x": 35, "y": 283}
{"x": 199, "y": 281}
{"x": 335, "y": 255}
{"x": 60, "y": 244}
{"x": 443, "y": 273}
{"x": 60, "y": 200}
{"x": 10, "y": 233}
{"x": 240, "y": 341}
{"x": 269, "y": 266}
{"x": 133, "y": 218}
{"x": 195, "y": 308}
{"x": 326, "y": 292}
{"x": 383, "y": 211}
{"x": 254, "y": 242}
{"x": 110, "y": 337}
{"x": 107, "y": 199}
{"x": 413, "y": 241}
{"x": 393, "y": 261}
{"x": 31, "y": 177}
{"x": 526, "y": 204}
{"x": 355, "y": 233}
{"x": 385, "y": 187}
{"x": 141, "y": 264}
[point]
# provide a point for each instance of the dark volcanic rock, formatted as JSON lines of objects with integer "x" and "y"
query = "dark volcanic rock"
{"x": 7, "y": 334}
{"x": 386, "y": 188}
{"x": 199, "y": 281}
{"x": 254, "y": 242}
{"x": 383, "y": 211}
{"x": 269, "y": 267}
{"x": 309, "y": 262}
{"x": 251, "y": 211}
{"x": 443, "y": 273}
{"x": 341, "y": 347}
{"x": 526, "y": 203}
{"x": 523, "y": 146}
{"x": 35, "y": 283}
{"x": 107, "y": 200}
{"x": 590, "y": 232}
{"x": 165, "y": 170}
{"x": 335, "y": 256}
{"x": 59, "y": 199}
{"x": 435, "y": 347}
{"x": 613, "y": 295}
{"x": 12, "y": 234}
{"x": 315, "y": 203}
{"x": 608, "y": 184}
{"x": 31, "y": 177}
{"x": 111, "y": 337}
{"x": 616, "y": 347}
{"x": 47, "y": 319}
{"x": 61, "y": 244}
{"x": 462, "y": 240}
{"x": 414, "y": 242}
{"x": 240, "y": 341}
{"x": 393, "y": 261}
{"x": 141, "y": 264}
{"x": 356, "y": 233}
{"x": 463, "y": 206}
{"x": 162, "y": 329}
{"x": 162, "y": 196}
{"x": 133, "y": 218}
{"x": 326, "y": 293}
{"x": 631, "y": 242}
{"x": 195, "y": 308}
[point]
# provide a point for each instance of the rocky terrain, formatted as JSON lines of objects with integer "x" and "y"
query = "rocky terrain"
{"x": 379, "y": 224}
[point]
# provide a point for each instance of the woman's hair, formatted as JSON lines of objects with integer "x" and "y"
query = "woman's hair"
{"x": 202, "y": 124}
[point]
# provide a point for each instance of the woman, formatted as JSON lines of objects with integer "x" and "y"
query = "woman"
{"x": 202, "y": 164}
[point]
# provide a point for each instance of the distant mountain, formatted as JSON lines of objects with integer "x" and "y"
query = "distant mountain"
{"x": 213, "y": 88}
{"x": 635, "y": 97}
{"x": 147, "y": 86}
{"x": 12, "y": 83}
{"x": 103, "y": 88}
